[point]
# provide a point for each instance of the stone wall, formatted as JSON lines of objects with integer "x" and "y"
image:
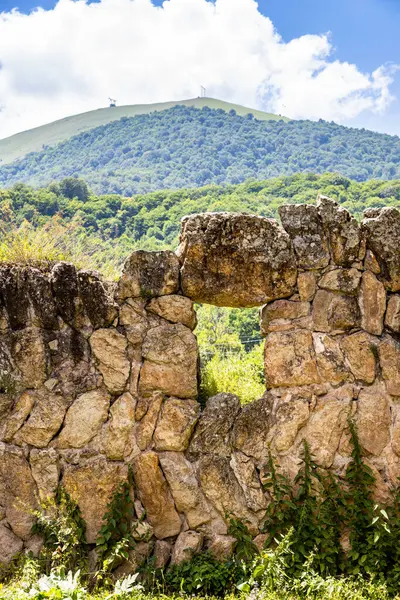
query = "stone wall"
{"x": 96, "y": 376}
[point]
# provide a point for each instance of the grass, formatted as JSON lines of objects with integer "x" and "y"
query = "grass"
{"x": 51, "y": 134}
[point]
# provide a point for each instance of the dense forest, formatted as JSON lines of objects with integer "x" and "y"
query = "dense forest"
{"x": 106, "y": 228}
{"x": 186, "y": 147}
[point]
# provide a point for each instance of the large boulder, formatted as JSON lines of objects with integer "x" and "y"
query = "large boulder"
{"x": 109, "y": 347}
{"x": 303, "y": 224}
{"x": 382, "y": 228}
{"x": 342, "y": 230}
{"x": 222, "y": 252}
{"x": 84, "y": 419}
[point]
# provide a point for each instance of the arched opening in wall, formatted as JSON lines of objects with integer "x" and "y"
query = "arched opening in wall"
{"x": 231, "y": 352}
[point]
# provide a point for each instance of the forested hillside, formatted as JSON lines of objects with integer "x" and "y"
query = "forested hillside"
{"x": 110, "y": 226}
{"x": 186, "y": 147}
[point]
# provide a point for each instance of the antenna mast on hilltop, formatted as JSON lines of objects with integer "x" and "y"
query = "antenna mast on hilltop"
{"x": 113, "y": 102}
{"x": 202, "y": 92}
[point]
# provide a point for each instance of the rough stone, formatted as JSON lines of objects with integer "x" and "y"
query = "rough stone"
{"x": 170, "y": 361}
{"x": 382, "y": 228}
{"x": 372, "y": 303}
{"x": 149, "y": 274}
{"x": 346, "y": 281}
{"x": 45, "y": 471}
{"x": 249, "y": 481}
{"x": 290, "y": 359}
{"x": 109, "y": 347}
{"x": 10, "y": 545}
{"x": 373, "y": 419}
{"x": 133, "y": 317}
{"x": 176, "y": 423}
{"x": 188, "y": 497}
{"x": 342, "y": 230}
{"x": 307, "y": 285}
{"x": 223, "y": 490}
{"x": 333, "y": 312}
{"x": 282, "y": 311}
{"x": 91, "y": 485}
{"x": 65, "y": 285}
{"x": 45, "y": 419}
{"x": 188, "y": 544}
{"x": 325, "y": 426}
{"x": 371, "y": 264}
{"x": 358, "y": 349}
{"x": 392, "y": 317}
{"x": 251, "y": 427}
{"x": 213, "y": 431}
{"x": 23, "y": 406}
{"x": 162, "y": 554}
{"x": 145, "y": 429}
{"x": 17, "y": 490}
{"x": 222, "y": 546}
{"x": 221, "y": 252}
{"x": 29, "y": 354}
{"x": 303, "y": 224}
{"x": 84, "y": 419}
{"x": 177, "y": 309}
{"x": 330, "y": 359}
{"x": 389, "y": 356}
{"x": 122, "y": 416}
{"x": 98, "y": 303}
{"x": 291, "y": 413}
{"x": 154, "y": 493}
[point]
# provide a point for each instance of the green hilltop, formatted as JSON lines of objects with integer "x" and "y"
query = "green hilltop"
{"x": 33, "y": 140}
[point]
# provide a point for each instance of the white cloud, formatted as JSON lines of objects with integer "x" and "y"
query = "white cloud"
{"x": 70, "y": 59}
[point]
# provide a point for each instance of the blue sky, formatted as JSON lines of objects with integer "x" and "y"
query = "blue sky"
{"x": 361, "y": 32}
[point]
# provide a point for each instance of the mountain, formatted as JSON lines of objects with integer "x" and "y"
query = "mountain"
{"x": 34, "y": 140}
{"x": 184, "y": 146}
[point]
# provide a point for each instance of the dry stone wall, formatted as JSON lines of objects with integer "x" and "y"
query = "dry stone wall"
{"x": 97, "y": 376}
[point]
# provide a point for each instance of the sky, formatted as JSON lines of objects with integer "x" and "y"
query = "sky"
{"x": 307, "y": 59}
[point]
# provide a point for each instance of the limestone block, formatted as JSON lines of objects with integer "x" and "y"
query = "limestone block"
{"x": 29, "y": 356}
{"x": 307, "y": 285}
{"x": 346, "y": 281}
{"x": 186, "y": 546}
{"x": 109, "y": 347}
{"x": 17, "y": 490}
{"x": 392, "y": 317}
{"x": 155, "y": 495}
{"x": 334, "y": 312}
{"x": 251, "y": 428}
{"x": 382, "y": 228}
{"x": 290, "y": 359}
{"x": 133, "y": 317}
{"x": 358, "y": 349}
{"x": 222, "y": 546}
{"x": 176, "y": 423}
{"x": 162, "y": 554}
{"x": 221, "y": 252}
{"x": 149, "y": 274}
{"x": 45, "y": 471}
{"x": 282, "y": 311}
{"x": 84, "y": 419}
{"x": 290, "y": 415}
{"x": 91, "y": 485}
{"x": 120, "y": 425}
{"x": 20, "y": 412}
{"x": 303, "y": 224}
{"x": 373, "y": 419}
{"x": 249, "y": 481}
{"x": 170, "y": 361}
{"x": 189, "y": 499}
{"x": 330, "y": 359}
{"x": 326, "y": 424}
{"x": 97, "y": 300}
{"x": 174, "y": 308}
{"x": 10, "y": 544}
{"x": 372, "y": 303}
{"x": 342, "y": 230}
{"x": 45, "y": 419}
{"x": 389, "y": 357}
{"x": 213, "y": 431}
{"x": 145, "y": 429}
